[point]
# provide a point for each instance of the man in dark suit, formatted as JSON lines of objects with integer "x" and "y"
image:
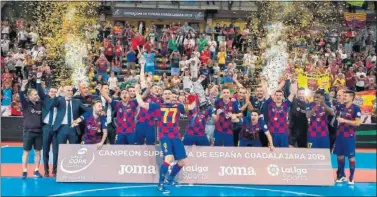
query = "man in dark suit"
{"x": 48, "y": 117}
{"x": 68, "y": 109}
{"x": 86, "y": 98}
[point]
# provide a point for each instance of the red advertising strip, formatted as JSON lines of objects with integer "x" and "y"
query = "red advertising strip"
{"x": 205, "y": 165}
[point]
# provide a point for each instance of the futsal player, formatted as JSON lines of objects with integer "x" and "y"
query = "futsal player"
{"x": 345, "y": 143}
{"x": 336, "y": 105}
{"x": 251, "y": 129}
{"x": 146, "y": 126}
{"x": 197, "y": 118}
{"x": 169, "y": 135}
{"x": 95, "y": 125}
{"x": 278, "y": 110}
{"x": 32, "y": 111}
{"x": 317, "y": 113}
{"x": 226, "y": 110}
{"x": 125, "y": 116}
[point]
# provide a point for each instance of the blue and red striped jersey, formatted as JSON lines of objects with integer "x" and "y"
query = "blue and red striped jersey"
{"x": 93, "y": 128}
{"x": 125, "y": 116}
{"x": 278, "y": 116}
{"x": 148, "y": 115}
{"x": 349, "y": 113}
{"x": 319, "y": 120}
{"x": 250, "y": 131}
{"x": 224, "y": 123}
{"x": 168, "y": 119}
{"x": 197, "y": 121}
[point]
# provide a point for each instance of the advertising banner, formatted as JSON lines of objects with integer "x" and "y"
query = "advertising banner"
{"x": 205, "y": 165}
{"x": 158, "y": 14}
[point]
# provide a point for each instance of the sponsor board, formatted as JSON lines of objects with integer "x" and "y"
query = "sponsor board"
{"x": 156, "y": 13}
{"x": 205, "y": 165}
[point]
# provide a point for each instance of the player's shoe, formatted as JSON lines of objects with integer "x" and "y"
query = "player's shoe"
{"x": 341, "y": 179}
{"x": 161, "y": 187}
{"x": 172, "y": 183}
{"x": 351, "y": 181}
{"x": 37, "y": 174}
{"x": 24, "y": 175}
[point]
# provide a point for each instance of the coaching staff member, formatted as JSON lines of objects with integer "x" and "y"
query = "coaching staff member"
{"x": 68, "y": 109}
{"x": 32, "y": 111}
{"x": 298, "y": 123}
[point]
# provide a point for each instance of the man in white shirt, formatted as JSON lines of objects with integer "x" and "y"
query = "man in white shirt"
{"x": 5, "y": 44}
{"x": 212, "y": 47}
{"x": 194, "y": 67}
{"x": 249, "y": 60}
{"x": 19, "y": 57}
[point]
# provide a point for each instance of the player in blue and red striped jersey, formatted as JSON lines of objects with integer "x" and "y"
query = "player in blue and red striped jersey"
{"x": 252, "y": 126}
{"x": 169, "y": 135}
{"x": 226, "y": 110}
{"x": 95, "y": 125}
{"x": 317, "y": 113}
{"x": 197, "y": 119}
{"x": 125, "y": 116}
{"x": 336, "y": 105}
{"x": 345, "y": 143}
{"x": 146, "y": 123}
{"x": 277, "y": 111}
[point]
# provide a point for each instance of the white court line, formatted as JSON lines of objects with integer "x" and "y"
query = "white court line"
{"x": 212, "y": 186}
{"x": 5, "y": 146}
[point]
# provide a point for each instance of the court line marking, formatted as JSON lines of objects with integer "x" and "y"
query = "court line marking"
{"x": 5, "y": 146}
{"x": 213, "y": 186}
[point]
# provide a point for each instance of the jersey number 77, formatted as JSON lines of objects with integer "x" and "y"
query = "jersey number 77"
{"x": 172, "y": 112}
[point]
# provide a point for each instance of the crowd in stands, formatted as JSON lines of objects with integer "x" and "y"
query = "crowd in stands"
{"x": 177, "y": 55}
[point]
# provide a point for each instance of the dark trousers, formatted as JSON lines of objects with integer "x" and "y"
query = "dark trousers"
{"x": 49, "y": 137}
{"x": 332, "y": 135}
{"x": 263, "y": 139}
{"x": 111, "y": 133}
{"x": 236, "y": 136}
{"x": 299, "y": 135}
{"x": 65, "y": 132}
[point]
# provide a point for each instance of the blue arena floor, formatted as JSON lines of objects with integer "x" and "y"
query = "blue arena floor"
{"x": 49, "y": 187}
{"x": 15, "y": 186}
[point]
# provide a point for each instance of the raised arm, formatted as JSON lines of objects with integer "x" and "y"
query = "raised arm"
{"x": 239, "y": 85}
{"x": 23, "y": 100}
{"x": 293, "y": 91}
{"x": 264, "y": 87}
{"x": 143, "y": 81}
{"x": 140, "y": 101}
{"x": 40, "y": 91}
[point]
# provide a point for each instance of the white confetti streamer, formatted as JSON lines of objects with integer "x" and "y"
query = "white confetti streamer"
{"x": 276, "y": 56}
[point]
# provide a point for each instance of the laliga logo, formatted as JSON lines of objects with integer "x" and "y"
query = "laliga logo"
{"x": 273, "y": 170}
{"x": 77, "y": 163}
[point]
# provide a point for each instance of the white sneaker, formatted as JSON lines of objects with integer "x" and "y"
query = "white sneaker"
{"x": 341, "y": 179}
{"x": 351, "y": 182}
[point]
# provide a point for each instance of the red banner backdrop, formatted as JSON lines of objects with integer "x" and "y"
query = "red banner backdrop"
{"x": 205, "y": 165}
